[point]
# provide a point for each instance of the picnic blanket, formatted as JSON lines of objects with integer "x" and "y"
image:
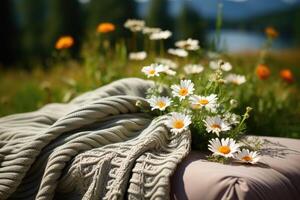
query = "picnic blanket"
{"x": 98, "y": 146}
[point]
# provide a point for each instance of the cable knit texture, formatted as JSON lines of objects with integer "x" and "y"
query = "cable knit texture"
{"x": 98, "y": 146}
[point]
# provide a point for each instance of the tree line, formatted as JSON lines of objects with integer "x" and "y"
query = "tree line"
{"x": 31, "y": 27}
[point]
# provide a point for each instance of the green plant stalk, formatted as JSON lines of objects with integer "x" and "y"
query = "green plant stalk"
{"x": 219, "y": 22}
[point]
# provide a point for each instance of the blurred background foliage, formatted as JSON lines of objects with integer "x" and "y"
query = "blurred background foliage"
{"x": 33, "y": 73}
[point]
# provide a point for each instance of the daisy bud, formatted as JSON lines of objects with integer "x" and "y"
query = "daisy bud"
{"x": 233, "y": 103}
{"x": 248, "y": 109}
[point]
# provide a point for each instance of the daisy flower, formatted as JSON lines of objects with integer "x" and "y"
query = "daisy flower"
{"x": 193, "y": 69}
{"x": 225, "y": 66}
{"x": 150, "y": 30}
{"x": 137, "y": 55}
{"x": 232, "y": 118}
{"x": 160, "y": 103}
{"x": 168, "y": 71}
{"x": 247, "y": 156}
{"x": 183, "y": 90}
{"x": 152, "y": 70}
{"x": 134, "y": 25}
{"x": 214, "y": 65}
{"x": 178, "y": 52}
{"x": 167, "y": 62}
{"x": 208, "y": 102}
{"x": 188, "y": 44}
{"x": 162, "y": 35}
{"x": 216, "y": 125}
{"x": 178, "y": 122}
{"x": 226, "y": 147}
{"x": 235, "y": 79}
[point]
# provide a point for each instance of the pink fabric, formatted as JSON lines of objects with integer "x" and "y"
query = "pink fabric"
{"x": 277, "y": 176}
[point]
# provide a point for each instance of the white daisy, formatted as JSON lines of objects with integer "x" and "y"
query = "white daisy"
{"x": 235, "y": 79}
{"x": 137, "y": 55}
{"x": 247, "y": 156}
{"x": 160, "y": 103}
{"x": 168, "y": 71}
{"x": 225, "y": 66}
{"x": 188, "y": 44}
{"x": 150, "y": 30}
{"x": 162, "y": 35}
{"x": 134, "y": 25}
{"x": 216, "y": 125}
{"x": 167, "y": 62}
{"x": 183, "y": 90}
{"x": 178, "y": 122}
{"x": 214, "y": 65}
{"x": 152, "y": 70}
{"x": 178, "y": 52}
{"x": 232, "y": 118}
{"x": 193, "y": 69}
{"x": 226, "y": 147}
{"x": 208, "y": 102}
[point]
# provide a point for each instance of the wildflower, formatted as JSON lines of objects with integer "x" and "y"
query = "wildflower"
{"x": 225, "y": 66}
{"x": 214, "y": 65}
{"x": 193, "y": 69}
{"x": 216, "y": 125}
{"x": 263, "y": 72}
{"x": 167, "y": 62}
{"x": 188, "y": 44}
{"x": 178, "y": 52}
{"x": 271, "y": 32}
{"x": 235, "y": 79}
{"x": 64, "y": 42}
{"x": 168, "y": 71}
{"x": 208, "y": 102}
{"x": 247, "y": 156}
{"x": 233, "y": 103}
{"x": 226, "y": 147}
{"x": 134, "y": 25}
{"x": 287, "y": 75}
{"x": 183, "y": 90}
{"x": 160, "y": 103}
{"x": 105, "y": 27}
{"x": 150, "y": 30}
{"x": 152, "y": 70}
{"x": 232, "y": 118}
{"x": 212, "y": 55}
{"x": 137, "y": 55}
{"x": 178, "y": 122}
{"x": 162, "y": 35}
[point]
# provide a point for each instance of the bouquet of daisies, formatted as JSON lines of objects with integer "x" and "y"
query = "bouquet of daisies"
{"x": 203, "y": 105}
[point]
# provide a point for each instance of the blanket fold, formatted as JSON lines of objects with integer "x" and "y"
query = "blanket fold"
{"x": 98, "y": 146}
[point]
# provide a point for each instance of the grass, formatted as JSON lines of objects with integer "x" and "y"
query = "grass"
{"x": 276, "y": 110}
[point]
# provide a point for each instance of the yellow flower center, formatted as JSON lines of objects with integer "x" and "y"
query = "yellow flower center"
{"x": 152, "y": 71}
{"x": 247, "y": 158}
{"x": 183, "y": 92}
{"x": 203, "y": 101}
{"x": 161, "y": 104}
{"x": 224, "y": 149}
{"x": 216, "y": 126}
{"x": 178, "y": 124}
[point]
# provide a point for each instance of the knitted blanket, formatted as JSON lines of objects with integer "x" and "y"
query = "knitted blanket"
{"x": 98, "y": 146}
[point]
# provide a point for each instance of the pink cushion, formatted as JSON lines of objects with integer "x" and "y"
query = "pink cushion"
{"x": 276, "y": 177}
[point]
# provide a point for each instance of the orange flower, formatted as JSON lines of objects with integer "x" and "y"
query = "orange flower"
{"x": 287, "y": 75}
{"x": 105, "y": 28}
{"x": 64, "y": 42}
{"x": 263, "y": 72}
{"x": 271, "y": 32}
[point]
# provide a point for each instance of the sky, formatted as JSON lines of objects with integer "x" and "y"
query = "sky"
{"x": 233, "y": 9}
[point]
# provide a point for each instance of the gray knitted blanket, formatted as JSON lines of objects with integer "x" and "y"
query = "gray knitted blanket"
{"x": 98, "y": 146}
